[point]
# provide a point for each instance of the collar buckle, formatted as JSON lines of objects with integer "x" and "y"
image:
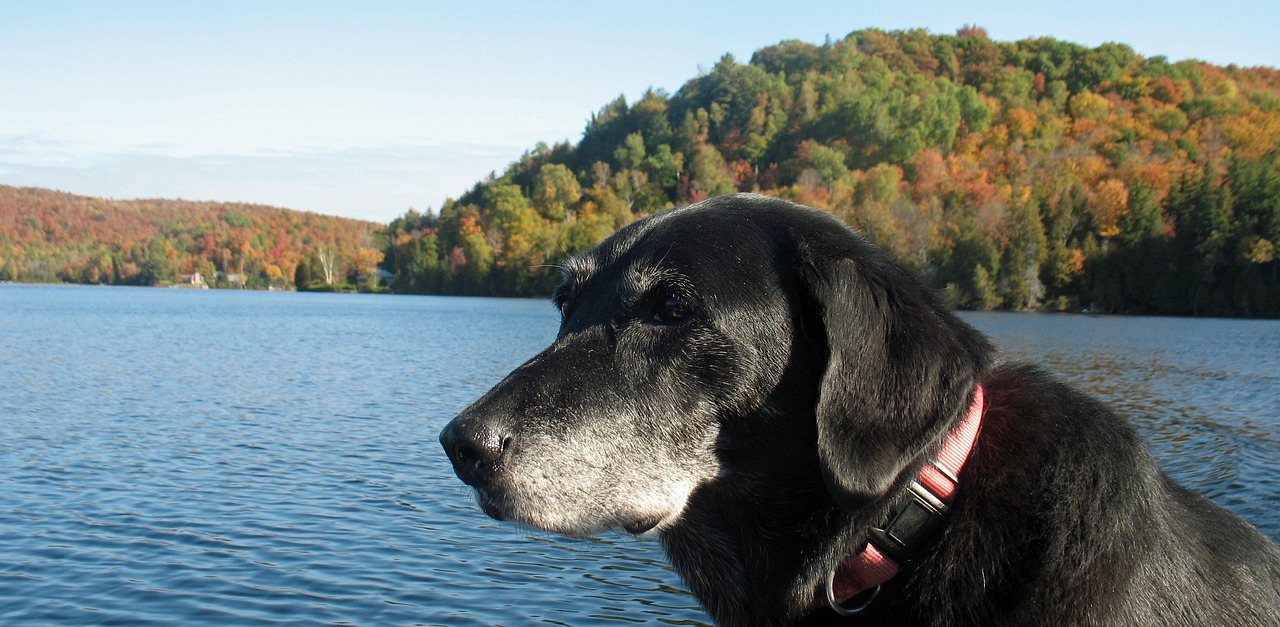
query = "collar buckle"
{"x": 915, "y": 520}
{"x": 911, "y": 524}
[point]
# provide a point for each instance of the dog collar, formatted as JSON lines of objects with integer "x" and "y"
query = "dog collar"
{"x": 910, "y": 523}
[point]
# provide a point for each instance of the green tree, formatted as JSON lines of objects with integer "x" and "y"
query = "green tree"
{"x": 556, "y": 191}
{"x": 665, "y": 167}
{"x": 970, "y": 268}
{"x": 424, "y": 268}
{"x": 479, "y": 257}
{"x": 1202, "y": 215}
{"x": 505, "y": 202}
{"x": 1144, "y": 219}
{"x": 1024, "y": 254}
{"x": 826, "y": 161}
{"x": 711, "y": 176}
{"x": 631, "y": 154}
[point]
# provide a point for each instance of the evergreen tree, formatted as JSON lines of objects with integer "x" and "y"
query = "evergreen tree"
{"x": 1030, "y": 174}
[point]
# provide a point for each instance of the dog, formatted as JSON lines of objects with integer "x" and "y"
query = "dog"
{"x": 816, "y": 439}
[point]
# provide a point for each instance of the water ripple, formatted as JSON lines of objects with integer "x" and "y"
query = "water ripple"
{"x": 250, "y": 458}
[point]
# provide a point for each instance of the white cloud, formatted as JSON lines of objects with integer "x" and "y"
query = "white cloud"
{"x": 375, "y": 183}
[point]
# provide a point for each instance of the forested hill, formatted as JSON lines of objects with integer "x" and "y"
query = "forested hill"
{"x": 1017, "y": 175}
{"x": 48, "y": 236}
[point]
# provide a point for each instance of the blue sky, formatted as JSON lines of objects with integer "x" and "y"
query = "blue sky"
{"x": 364, "y": 109}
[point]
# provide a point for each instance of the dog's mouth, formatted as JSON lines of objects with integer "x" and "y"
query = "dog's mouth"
{"x": 490, "y": 508}
{"x": 642, "y": 526}
{"x": 637, "y": 525}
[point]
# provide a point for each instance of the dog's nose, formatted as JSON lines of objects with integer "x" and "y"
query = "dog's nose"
{"x": 475, "y": 451}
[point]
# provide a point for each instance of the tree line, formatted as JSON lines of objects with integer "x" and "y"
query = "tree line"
{"x": 1037, "y": 174}
{"x": 48, "y": 236}
{"x": 1029, "y": 175}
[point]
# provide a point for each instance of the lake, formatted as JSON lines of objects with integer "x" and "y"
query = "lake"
{"x": 183, "y": 456}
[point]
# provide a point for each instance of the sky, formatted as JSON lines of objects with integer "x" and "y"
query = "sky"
{"x": 365, "y": 109}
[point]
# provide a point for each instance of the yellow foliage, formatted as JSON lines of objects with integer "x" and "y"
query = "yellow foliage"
{"x": 1108, "y": 202}
{"x": 1087, "y": 104}
{"x": 1075, "y": 261}
{"x": 1258, "y": 251}
{"x": 1021, "y": 122}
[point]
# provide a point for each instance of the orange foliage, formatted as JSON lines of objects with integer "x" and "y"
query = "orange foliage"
{"x": 469, "y": 225}
{"x": 1021, "y": 123}
{"x": 55, "y": 236}
{"x": 930, "y": 175}
{"x": 744, "y": 174}
{"x": 1107, "y": 204}
{"x": 1165, "y": 90}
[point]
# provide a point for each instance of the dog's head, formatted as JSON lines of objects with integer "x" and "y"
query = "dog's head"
{"x": 738, "y": 334}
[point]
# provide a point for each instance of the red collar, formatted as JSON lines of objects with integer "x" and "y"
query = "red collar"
{"x": 912, "y": 522}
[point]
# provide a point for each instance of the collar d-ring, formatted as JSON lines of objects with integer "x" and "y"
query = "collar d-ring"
{"x": 844, "y": 610}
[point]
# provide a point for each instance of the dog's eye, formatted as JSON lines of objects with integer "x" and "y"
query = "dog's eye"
{"x": 671, "y": 310}
{"x": 563, "y": 305}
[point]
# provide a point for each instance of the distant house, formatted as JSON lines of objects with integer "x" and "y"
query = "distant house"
{"x": 194, "y": 279}
{"x": 237, "y": 280}
{"x": 377, "y": 277}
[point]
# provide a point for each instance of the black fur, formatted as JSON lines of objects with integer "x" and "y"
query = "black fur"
{"x": 757, "y": 383}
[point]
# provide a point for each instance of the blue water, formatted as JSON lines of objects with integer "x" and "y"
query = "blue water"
{"x": 175, "y": 456}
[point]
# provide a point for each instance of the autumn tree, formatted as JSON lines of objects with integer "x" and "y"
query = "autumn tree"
{"x": 1031, "y": 174}
{"x": 556, "y": 191}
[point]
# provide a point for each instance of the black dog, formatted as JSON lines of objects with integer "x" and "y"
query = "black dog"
{"x": 816, "y": 439}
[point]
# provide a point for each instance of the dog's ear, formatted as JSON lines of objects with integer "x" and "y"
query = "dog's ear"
{"x": 900, "y": 367}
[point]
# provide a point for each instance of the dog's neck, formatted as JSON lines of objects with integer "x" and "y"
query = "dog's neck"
{"x": 712, "y": 553}
{"x": 910, "y": 524}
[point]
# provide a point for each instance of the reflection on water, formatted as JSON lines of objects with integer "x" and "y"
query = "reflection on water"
{"x": 174, "y": 456}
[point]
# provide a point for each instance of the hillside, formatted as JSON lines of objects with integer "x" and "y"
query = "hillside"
{"x": 48, "y": 236}
{"x": 1037, "y": 174}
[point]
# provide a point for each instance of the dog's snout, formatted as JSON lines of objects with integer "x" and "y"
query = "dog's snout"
{"x": 476, "y": 451}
